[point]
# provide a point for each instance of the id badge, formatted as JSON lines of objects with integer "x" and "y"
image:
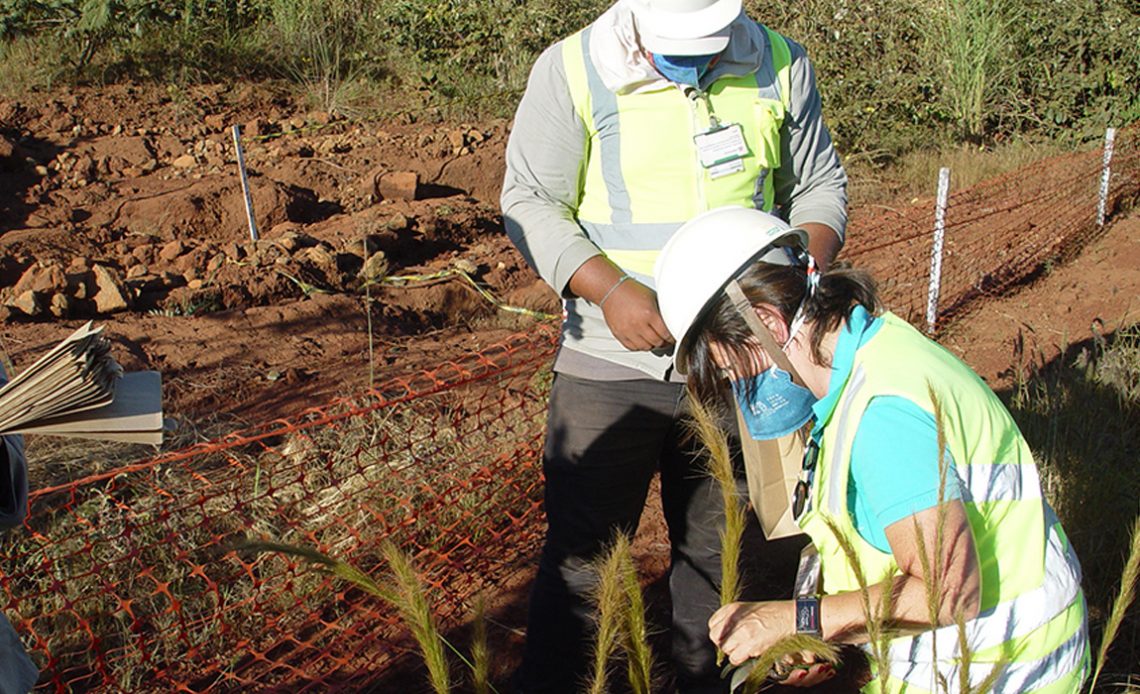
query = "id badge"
{"x": 720, "y": 150}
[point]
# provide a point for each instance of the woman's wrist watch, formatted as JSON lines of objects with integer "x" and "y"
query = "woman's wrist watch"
{"x": 807, "y": 615}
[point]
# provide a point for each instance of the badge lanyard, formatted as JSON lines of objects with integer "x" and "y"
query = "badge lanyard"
{"x": 722, "y": 148}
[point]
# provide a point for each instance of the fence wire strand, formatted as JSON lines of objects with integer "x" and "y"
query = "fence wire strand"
{"x": 133, "y": 580}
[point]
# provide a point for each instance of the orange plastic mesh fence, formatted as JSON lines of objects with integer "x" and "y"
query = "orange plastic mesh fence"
{"x": 997, "y": 234}
{"x": 130, "y": 581}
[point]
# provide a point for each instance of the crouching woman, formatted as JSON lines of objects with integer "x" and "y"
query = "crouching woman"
{"x": 948, "y": 514}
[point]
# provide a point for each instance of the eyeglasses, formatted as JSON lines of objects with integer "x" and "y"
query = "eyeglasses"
{"x": 807, "y": 474}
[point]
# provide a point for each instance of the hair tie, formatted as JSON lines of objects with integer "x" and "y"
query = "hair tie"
{"x": 813, "y": 275}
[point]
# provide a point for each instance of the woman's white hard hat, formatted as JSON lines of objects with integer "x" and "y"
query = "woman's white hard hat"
{"x": 708, "y": 251}
{"x": 684, "y": 27}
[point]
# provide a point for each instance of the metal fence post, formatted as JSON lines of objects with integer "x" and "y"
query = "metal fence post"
{"x": 245, "y": 184}
{"x": 936, "y": 250}
{"x": 1105, "y": 174}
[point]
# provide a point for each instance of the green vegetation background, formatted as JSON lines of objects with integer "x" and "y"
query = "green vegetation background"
{"x": 896, "y": 75}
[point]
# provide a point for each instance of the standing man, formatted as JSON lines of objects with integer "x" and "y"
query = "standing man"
{"x": 659, "y": 110}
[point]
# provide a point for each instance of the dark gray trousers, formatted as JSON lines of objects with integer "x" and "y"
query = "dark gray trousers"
{"x": 605, "y": 441}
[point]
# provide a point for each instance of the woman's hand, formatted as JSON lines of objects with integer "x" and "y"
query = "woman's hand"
{"x": 744, "y": 630}
{"x": 803, "y": 670}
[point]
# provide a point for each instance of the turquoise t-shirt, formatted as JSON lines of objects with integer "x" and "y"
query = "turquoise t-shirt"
{"x": 894, "y": 459}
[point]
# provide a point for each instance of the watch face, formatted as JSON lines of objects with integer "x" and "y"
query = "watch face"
{"x": 807, "y": 615}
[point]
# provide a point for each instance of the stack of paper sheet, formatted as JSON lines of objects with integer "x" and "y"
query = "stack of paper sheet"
{"x": 78, "y": 389}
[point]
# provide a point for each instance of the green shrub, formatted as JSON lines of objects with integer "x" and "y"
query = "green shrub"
{"x": 896, "y": 75}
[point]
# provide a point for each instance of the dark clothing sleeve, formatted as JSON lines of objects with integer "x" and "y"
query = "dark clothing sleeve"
{"x": 17, "y": 672}
{"x": 13, "y": 477}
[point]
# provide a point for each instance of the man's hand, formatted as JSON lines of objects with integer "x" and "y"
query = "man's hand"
{"x": 633, "y": 317}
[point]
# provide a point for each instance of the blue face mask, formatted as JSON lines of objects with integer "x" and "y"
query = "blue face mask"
{"x": 774, "y": 405}
{"x": 683, "y": 69}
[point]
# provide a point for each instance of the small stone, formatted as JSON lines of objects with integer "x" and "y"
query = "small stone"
{"x": 172, "y": 250}
{"x": 60, "y": 305}
{"x": 215, "y": 121}
{"x": 186, "y": 161}
{"x": 399, "y": 185}
{"x": 28, "y": 303}
{"x": 110, "y": 293}
{"x": 143, "y": 254}
{"x": 457, "y": 138}
{"x": 136, "y": 272}
{"x": 254, "y": 128}
{"x": 465, "y": 265}
{"x": 233, "y": 251}
{"x": 196, "y": 284}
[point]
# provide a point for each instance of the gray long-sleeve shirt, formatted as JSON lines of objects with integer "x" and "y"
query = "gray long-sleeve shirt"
{"x": 548, "y": 146}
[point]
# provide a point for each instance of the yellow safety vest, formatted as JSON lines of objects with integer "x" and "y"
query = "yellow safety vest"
{"x": 641, "y": 178}
{"x": 1032, "y": 617}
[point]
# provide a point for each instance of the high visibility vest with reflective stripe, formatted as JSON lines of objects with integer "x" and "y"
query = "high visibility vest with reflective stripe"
{"x": 642, "y": 177}
{"x": 1032, "y": 618}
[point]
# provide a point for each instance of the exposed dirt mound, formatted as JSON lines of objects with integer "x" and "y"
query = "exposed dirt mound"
{"x": 126, "y": 205}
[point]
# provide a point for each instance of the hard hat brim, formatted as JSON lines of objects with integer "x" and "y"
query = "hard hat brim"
{"x": 704, "y": 45}
{"x": 703, "y": 32}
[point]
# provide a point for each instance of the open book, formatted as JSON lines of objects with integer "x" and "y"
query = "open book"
{"x": 78, "y": 389}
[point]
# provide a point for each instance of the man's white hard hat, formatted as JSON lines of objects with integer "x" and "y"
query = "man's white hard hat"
{"x": 684, "y": 27}
{"x": 707, "y": 252}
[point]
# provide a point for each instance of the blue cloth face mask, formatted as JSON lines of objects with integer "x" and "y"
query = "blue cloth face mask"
{"x": 683, "y": 69}
{"x": 772, "y": 404}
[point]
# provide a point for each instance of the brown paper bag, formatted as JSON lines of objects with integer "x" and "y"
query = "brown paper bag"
{"x": 772, "y": 468}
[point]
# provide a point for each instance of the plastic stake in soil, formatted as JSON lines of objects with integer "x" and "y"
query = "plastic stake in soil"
{"x": 245, "y": 183}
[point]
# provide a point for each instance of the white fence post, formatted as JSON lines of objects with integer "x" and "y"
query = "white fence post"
{"x": 245, "y": 184}
{"x": 936, "y": 250}
{"x": 1105, "y": 174}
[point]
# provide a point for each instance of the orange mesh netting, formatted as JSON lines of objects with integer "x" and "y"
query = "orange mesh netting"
{"x": 998, "y": 233}
{"x": 129, "y": 580}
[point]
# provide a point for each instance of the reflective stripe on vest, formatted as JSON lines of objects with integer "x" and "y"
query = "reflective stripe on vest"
{"x": 1032, "y": 610}
{"x": 642, "y": 178}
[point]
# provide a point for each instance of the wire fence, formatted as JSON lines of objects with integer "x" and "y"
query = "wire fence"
{"x": 132, "y": 580}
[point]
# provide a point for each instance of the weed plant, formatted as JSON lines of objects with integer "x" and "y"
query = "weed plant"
{"x": 621, "y": 621}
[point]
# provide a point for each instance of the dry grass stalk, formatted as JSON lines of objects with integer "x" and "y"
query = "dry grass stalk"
{"x": 611, "y": 602}
{"x": 790, "y": 647}
{"x": 703, "y": 424}
{"x": 413, "y": 607}
{"x": 480, "y": 650}
{"x": 636, "y": 636}
{"x": 621, "y": 620}
{"x": 407, "y": 596}
{"x": 1120, "y": 605}
{"x": 875, "y": 617}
